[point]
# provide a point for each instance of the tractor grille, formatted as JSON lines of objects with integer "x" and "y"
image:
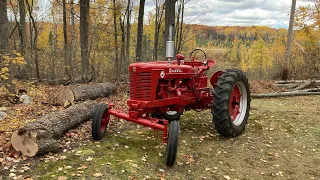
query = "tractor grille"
{"x": 140, "y": 85}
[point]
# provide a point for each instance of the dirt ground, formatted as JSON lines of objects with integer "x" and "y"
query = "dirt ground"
{"x": 281, "y": 141}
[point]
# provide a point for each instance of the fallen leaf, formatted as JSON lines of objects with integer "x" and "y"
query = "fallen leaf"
{"x": 62, "y": 178}
{"x": 89, "y": 159}
{"x": 97, "y": 174}
{"x": 227, "y": 177}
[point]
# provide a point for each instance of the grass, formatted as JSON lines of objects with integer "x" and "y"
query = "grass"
{"x": 281, "y": 141}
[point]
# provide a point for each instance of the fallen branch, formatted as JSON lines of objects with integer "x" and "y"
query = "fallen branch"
{"x": 304, "y": 85}
{"x": 42, "y": 135}
{"x": 294, "y": 81}
{"x": 306, "y": 92}
{"x": 84, "y": 92}
{"x": 288, "y": 86}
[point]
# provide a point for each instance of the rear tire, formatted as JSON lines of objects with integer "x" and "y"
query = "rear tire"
{"x": 100, "y": 121}
{"x": 231, "y": 103}
{"x": 172, "y": 146}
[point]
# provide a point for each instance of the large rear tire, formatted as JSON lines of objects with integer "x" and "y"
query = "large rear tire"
{"x": 172, "y": 146}
{"x": 231, "y": 103}
{"x": 100, "y": 121}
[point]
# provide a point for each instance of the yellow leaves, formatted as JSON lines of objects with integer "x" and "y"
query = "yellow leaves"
{"x": 18, "y": 59}
{"x": 4, "y": 70}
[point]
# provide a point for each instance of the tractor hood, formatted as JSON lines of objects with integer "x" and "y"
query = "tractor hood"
{"x": 161, "y": 66}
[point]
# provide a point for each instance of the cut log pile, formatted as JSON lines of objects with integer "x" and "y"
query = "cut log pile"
{"x": 293, "y": 88}
{"x": 43, "y": 135}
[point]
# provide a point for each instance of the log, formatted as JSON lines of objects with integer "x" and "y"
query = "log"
{"x": 306, "y": 92}
{"x": 42, "y": 135}
{"x": 289, "y": 81}
{"x": 294, "y": 81}
{"x": 84, "y": 92}
{"x": 304, "y": 85}
{"x": 288, "y": 86}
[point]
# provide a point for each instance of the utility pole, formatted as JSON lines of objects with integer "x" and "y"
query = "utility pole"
{"x": 289, "y": 41}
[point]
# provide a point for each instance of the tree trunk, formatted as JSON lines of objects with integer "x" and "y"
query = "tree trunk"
{"x": 43, "y": 135}
{"x": 179, "y": 48}
{"x": 73, "y": 41}
{"x": 116, "y": 63}
{"x": 4, "y": 44}
{"x": 128, "y": 28}
{"x": 84, "y": 38}
{"x": 35, "y": 38}
{"x": 289, "y": 41}
{"x": 4, "y": 36}
{"x": 84, "y": 92}
{"x": 123, "y": 45}
{"x": 158, "y": 22}
{"x": 139, "y": 56}
{"x": 23, "y": 36}
{"x": 65, "y": 42}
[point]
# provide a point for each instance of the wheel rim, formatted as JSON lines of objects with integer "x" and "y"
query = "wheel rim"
{"x": 171, "y": 113}
{"x": 238, "y": 103}
{"x": 104, "y": 121}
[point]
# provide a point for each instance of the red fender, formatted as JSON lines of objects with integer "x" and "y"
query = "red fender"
{"x": 214, "y": 78}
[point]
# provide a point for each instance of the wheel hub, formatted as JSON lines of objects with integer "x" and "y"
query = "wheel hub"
{"x": 104, "y": 121}
{"x": 238, "y": 103}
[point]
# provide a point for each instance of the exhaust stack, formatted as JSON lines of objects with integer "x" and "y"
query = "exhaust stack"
{"x": 170, "y": 46}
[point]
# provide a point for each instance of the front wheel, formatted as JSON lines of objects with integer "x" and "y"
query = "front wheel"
{"x": 172, "y": 115}
{"x": 100, "y": 121}
{"x": 172, "y": 145}
{"x": 231, "y": 103}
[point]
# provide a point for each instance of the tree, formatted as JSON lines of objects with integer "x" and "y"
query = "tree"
{"x": 115, "y": 35}
{"x": 260, "y": 58}
{"x": 73, "y": 50}
{"x": 33, "y": 37}
{"x": 84, "y": 38}
{"x": 22, "y": 25}
{"x": 139, "y": 57}
{"x": 289, "y": 41}
{"x": 128, "y": 29}
{"x": 4, "y": 37}
{"x": 158, "y": 21}
{"x": 67, "y": 61}
{"x": 179, "y": 27}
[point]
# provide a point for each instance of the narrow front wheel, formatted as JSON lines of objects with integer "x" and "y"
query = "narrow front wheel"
{"x": 100, "y": 121}
{"x": 172, "y": 146}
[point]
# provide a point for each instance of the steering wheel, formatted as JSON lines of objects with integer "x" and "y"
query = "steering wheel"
{"x": 205, "y": 55}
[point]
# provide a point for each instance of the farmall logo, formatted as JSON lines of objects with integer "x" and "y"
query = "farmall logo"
{"x": 175, "y": 71}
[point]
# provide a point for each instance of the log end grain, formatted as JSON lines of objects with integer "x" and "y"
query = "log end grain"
{"x": 66, "y": 95}
{"x": 26, "y": 143}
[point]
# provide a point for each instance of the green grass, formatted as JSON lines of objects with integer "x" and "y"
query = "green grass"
{"x": 281, "y": 141}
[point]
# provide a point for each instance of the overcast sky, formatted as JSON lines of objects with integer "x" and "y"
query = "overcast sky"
{"x": 273, "y": 13}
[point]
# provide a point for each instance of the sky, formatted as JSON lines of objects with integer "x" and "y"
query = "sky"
{"x": 273, "y": 13}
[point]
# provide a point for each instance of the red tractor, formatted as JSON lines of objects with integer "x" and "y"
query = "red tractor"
{"x": 161, "y": 91}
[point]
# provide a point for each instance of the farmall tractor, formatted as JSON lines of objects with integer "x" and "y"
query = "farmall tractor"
{"x": 161, "y": 91}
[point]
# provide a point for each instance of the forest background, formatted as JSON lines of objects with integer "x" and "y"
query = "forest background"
{"x": 97, "y": 40}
